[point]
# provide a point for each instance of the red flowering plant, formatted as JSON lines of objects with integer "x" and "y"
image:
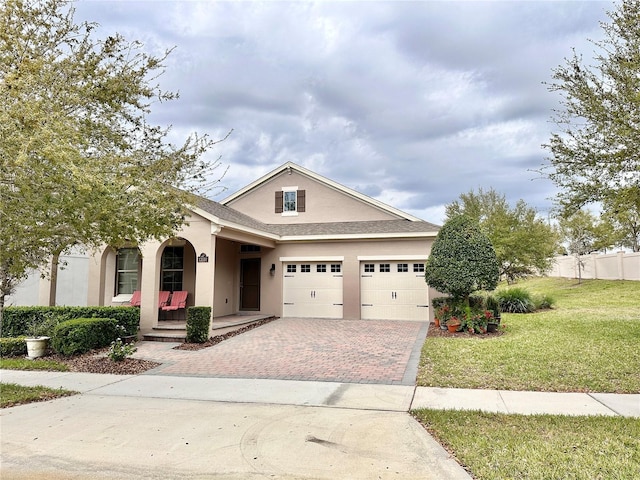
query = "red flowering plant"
{"x": 475, "y": 321}
{"x": 443, "y": 313}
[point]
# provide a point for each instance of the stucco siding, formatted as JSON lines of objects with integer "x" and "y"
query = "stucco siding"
{"x": 323, "y": 203}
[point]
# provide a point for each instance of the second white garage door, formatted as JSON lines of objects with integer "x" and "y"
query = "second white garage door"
{"x": 312, "y": 289}
{"x": 393, "y": 290}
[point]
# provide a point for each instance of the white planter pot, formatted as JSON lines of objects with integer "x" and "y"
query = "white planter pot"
{"x": 37, "y": 347}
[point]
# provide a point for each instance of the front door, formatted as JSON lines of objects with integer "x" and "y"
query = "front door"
{"x": 250, "y": 284}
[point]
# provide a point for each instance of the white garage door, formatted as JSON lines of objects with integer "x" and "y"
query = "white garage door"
{"x": 312, "y": 289}
{"x": 393, "y": 290}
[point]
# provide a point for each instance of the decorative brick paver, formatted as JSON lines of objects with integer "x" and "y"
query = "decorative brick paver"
{"x": 349, "y": 351}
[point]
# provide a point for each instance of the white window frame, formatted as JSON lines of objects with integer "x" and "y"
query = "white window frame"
{"x": 285, "y": 212}
{"x": 119, "y": 296}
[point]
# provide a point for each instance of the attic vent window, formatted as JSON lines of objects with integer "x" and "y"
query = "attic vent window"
{"x": 290, "y": 201}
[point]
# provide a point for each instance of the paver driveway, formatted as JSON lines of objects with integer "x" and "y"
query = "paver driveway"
{"x": 348, "y": 351}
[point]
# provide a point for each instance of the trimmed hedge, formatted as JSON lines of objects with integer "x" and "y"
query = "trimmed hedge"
{"x": 83, "y": 334}
{"x": 13, "y": 347}
{"x": 17, "y": 319}
{"x": 198, "y": 319}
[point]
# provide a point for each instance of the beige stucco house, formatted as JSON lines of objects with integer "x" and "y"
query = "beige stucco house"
{"x": 292, "y": 243}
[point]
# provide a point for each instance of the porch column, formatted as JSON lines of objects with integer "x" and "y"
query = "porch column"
{"x": 149, "y": 285}
{"x": 205, "y": 271}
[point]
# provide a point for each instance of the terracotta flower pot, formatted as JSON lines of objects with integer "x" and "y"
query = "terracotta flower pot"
{"x": 453, "y": 325}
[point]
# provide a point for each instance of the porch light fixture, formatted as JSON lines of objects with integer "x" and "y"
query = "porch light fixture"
{"x": 272, "y": 271}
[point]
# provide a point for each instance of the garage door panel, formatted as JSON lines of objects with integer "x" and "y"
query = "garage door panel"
{"x": 311, "y": 289}
{"x": 393, "y": 290}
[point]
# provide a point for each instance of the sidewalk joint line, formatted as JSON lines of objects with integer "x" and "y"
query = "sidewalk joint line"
{"x": 605, "y": 405}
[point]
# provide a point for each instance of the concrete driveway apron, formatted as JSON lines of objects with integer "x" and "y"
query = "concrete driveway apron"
{"x": 309, "y": 349}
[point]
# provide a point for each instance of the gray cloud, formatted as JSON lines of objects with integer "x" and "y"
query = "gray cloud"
{"x": 412, "y": 103}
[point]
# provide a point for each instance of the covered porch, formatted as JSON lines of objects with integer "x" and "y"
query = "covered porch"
{"x": 212, "y": 266}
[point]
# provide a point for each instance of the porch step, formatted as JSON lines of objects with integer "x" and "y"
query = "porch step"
{"x": 168, "y": 331}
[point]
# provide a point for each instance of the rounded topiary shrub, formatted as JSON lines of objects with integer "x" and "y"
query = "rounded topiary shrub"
{"x": 83, "y": 334}
{"x": 198, "y": 319}
{"x": 462, "y": 260}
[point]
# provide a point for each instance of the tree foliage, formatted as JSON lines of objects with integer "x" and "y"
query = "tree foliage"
{"x": 622, "y": 216}
{"x": 581, "y": 235}
{"x": 595, "y": 155}
{"x": 524, "y": 244}
{"x": 462, "y": 259}
{"x": 81, "y": 165}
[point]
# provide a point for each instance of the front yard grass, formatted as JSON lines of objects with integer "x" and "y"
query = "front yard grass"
{"x": 587, "y": 343}
{"x": 12, "y": 394}
{"x": 499, "y": 446}
{"x": 26, "y": 364}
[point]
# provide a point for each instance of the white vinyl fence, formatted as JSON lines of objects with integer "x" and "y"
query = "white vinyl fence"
{"x": 610, "y": 266}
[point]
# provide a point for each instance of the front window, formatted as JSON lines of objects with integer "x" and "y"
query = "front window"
{"x": 289, "y": 201}
{"x": 127, "y": 271}
{"x": 172, "y": 269}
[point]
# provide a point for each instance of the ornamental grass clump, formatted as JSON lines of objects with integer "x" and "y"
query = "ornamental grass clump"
{"x": 515, "y": 300}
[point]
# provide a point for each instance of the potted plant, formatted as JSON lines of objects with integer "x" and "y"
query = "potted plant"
{"x": 493, "y": 310}
{"x": 37, "y": 341}
{"x": 453, "y": 324}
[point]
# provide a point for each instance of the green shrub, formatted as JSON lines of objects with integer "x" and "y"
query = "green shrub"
{"x": 543, "y": 302}
{"x": 13, "y": 347}
{"x": 462, "y": 259}
{"x": 515, "y": 300}
{"x": 492, "y": 304}
{"x": 83, "y": 334}
{"x": 198, "y": 319}
{"x": 18, "y": 320}
{"x": 119, "y": 350}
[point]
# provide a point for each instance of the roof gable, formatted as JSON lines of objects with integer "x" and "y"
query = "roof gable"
{"x": 326, "y": 200}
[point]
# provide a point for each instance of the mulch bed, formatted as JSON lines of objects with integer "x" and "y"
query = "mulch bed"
{"x": 438, "y": 332}
{"x": 95, "y": 361}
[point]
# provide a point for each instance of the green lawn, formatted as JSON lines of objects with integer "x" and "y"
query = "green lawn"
{"x": 26, "y": 364}
{"x": 12, "y": 394}
{"x": 589, "y": 342}
{"x": 500, "y": 446}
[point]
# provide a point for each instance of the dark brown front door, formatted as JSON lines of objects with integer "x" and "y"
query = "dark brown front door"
{"x": 250, "y": 284}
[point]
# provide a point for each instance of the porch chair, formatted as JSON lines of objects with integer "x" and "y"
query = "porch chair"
{"x": 178, "y": 302}
{"x": 163, "y": 298}
{"x": 135, "y": 299}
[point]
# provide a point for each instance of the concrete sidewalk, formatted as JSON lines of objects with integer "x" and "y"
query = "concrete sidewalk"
{"x": 170, "y": 428}
{"x": 160, "y": 427}
{"x": 392, "y": 398}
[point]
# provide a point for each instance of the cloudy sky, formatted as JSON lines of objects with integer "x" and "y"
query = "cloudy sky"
{"x": 412, "y": 103}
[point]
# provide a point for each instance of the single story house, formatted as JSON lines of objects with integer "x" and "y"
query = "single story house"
{"x": 292, "y": 243}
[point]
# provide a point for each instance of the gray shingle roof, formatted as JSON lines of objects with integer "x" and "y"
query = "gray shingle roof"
{"x": 354, "y": 228}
